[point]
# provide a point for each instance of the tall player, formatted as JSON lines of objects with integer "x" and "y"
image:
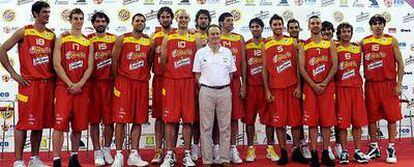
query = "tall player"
{"x": 318, "y": 64}
{"x": 203, "y": 20}
{"x": 73, "y": 64}
{"x": 282, "y": 85}
{"x": 35, "y": 45}
{"x": 177, "y": 56}
{"x": 255, "y": 97}
{"x": 293, "y": 27}
{"x": 101, "y": 92}
{"x": 235, "y": 43}
{"x": 383, "y": 72}
{"x": 131, "y": 66}
{"x": 165, "y": 17}
{"x": 351, "y": 104}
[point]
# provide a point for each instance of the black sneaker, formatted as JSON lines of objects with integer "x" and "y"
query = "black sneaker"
{"x": 344, "y": 158}
{"x": 315, "y": 159}
{"x": 283, "y": 157}
{"x": 374, "y": 152}
{"x": 360, "y": 157}
{"x": 298, "y": 156}
{"x": 73, "y": 161}
{"x": 57, "y": 163}
{"x": 326, "y": 160}
{"x": 391, "y": 156}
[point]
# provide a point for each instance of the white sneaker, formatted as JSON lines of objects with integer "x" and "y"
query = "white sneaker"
{"x": 391, "y": 157}
{"x": 107, "y": 155}
{"x": 168, "y": 160}
{"x": 19, "y": 164}
{"x": 187, "y": 161}
{"x": 331, "y": 155}
{"x": 134, "y": 159}
{"x": 119, "y": 160}
{"x": 305, "y": 150}
{"x": 338, "y": 150}
{"x": 36, "y": 162}
{"x": 99, "y": 159}
{"x": 195, "y": 152}
{"x": 235, "y": 156}
{"x": 216, "y": 154}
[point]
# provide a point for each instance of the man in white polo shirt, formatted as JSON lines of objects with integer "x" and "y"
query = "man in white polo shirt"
{"x": 213, "y": 67}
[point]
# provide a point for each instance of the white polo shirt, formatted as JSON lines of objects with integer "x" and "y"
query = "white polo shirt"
{"x": 214, "y": 67}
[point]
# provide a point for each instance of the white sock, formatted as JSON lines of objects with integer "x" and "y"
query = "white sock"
{"x": 187, "y": 151}
{"x": 56, "y": 158}
{"x": 118, "y": 151}
{"x": 251, "y": 146}
{"x": 391, "y": 144}
{"x": 73, "y": 153}
{"x": 217, "y": 146}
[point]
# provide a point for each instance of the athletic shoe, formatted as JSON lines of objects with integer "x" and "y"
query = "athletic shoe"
{"x": 99, "y": 158}
{"x": 344, "y": 158}
{"x": 391, "y": 157}
{"x": 271, "y": 154}
{"x": 360, "y": 157}
{"x": 251, "y": 154}
{"x": 119, "y": 160}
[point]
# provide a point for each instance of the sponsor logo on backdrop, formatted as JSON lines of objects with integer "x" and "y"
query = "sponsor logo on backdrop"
{"x": 392, "y": 30}
{"x": 387, "y": 16}
{"x": 250, "y": 3}
{"x": 310, "y": 2}
{"x": 80, "y": 2}
{"x": 266, "y": 2}
{"x": 89, "y": 30}
{"x": 343, "y": 3}
{"x": 287, "y": 15}
{"x": 22, "y": 2}
{"x": 398, "y": 3}
{"x": 64, "y": 29}
{"x": 412, "y": 47}
{"x": 325, "y": 3}
{"x": 5, "y": 78}
{"x": 8, "y": 29}
{"x": 61, "y": 2}
{"x": 209, "y": 1}
{"x": 402, "y": 45}
{"x": 149, "y": 2}
{"x": 409, "y": 60}
{"x": 236, "y": 15}
{"x": 362, "y": 17}
{"x": 262, "y": 15}
{"x": 244, "y": 29}
{"x": 4, "y": 94}
{"x": 359, "y": 29}
{"x": 165, "y": 2}
{"x": 127, "y": 2}
{"x": 121, "y": 29}
{"x": 358, "y": 4}
{"x": 231, "y": 2}
{"x": 124, "y": 14}
{"x": 283, "y": 3}
{"x": 298, "y": 2}
{"x": 313, "y": 13}
{"x": 213, "y": 13}
{"x": 405, "y": 30}
{"x": 9, "y": 15}
{"x": 184, "y": 2}
{"x": 408, "y": 73}
{"x": 408, "y": 18}
{"x": 373, "y": 4}
{"x": 4, "y": 1}
{"x": 151, "y": 15}
{"x": 338, "y": 16}
{"x": 64, "y": 15}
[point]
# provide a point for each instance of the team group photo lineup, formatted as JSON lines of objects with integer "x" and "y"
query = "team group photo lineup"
{"x": 202, "y": 84}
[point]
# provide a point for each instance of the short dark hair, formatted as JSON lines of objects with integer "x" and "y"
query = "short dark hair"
{"x": 137, "y": 15}
{"x": 165, "y": 9}
{"x": 99, "y": 15}
{"x": 257, "y": 21}
{"x": 292, "y": 21}
{"x": 223, "y": 16}
{"x": 275, "y": 17}
{"x": 377, "y": 18}
{"x": 326, "y": 25}
{"x": 211, "y": 26}
{"x": 75, "y": 11}
{"x": 38, "y": 6}
{"x": 313, "y": 17}
{"x": 342, "y": 26}
{"x": 204, "y": 12}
